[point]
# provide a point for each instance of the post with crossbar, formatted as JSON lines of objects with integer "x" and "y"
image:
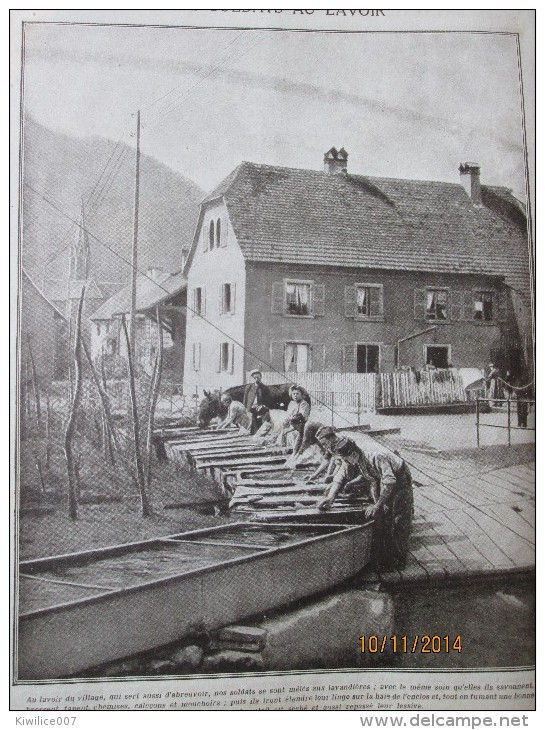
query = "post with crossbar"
{"x": 478, "y": 440}
{"x": 509, "y": 419}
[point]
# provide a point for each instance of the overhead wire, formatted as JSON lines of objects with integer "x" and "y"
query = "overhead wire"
{"x": 253, "y": 354}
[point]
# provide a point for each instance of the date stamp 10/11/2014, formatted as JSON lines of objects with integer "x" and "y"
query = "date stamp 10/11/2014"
{"x": 417, "y": 644}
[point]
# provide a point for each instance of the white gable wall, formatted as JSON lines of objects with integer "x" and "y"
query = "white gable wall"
{"x": 209, "y": 270}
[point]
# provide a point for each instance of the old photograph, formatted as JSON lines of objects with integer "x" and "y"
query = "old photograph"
{"x": 274, "y": 340}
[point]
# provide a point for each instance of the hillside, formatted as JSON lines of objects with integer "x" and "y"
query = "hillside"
{"x": 64, "y": 169}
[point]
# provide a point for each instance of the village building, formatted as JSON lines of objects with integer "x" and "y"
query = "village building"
{"x": 43, "y": 336}
{"x": 65, "y": 293}
{"x": 155, "y": 291}
{"x": 296, "y": 270}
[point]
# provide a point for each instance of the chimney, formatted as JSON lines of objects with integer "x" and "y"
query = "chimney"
{"x": 335, "y": 161}
{"x": 470, "y": 177}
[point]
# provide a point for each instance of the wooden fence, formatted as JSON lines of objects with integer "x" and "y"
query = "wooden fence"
{"x": 332, "y": 389}
{"x": 410, "y": 388}
{"x": 365, "y": 392}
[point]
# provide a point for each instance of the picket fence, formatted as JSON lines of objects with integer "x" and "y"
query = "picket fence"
{"x": 365, "y": 392}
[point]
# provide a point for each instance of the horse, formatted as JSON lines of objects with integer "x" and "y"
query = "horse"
{"x": 211, "y": 407}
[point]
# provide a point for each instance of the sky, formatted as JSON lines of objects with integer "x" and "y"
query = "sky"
{"x": 403, "y": 105}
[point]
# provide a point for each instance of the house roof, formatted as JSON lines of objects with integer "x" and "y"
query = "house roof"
{"x": 57, "y": 289}
{"x": 30, "y": 280}
{"x": 307, "y": 217}
{"x": 149, "y": 293}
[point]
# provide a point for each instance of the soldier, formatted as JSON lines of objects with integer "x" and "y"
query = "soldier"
{"x": 387, "y": 478}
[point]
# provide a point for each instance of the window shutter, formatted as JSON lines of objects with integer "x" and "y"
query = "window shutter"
{"x": 198, "y": 356}
{"x": 456, "y": 305}
{"x": 193, "y": 303}
{"x": 375, "y": 303}
{"x": 211, "y": 233}
{"x": 232, "y": 364}
{"x": 219, "y": 357}
{"x": 220, "y": 299}
{"x": 469, "y": 306}
{"x": 349, "y": 359}
{"x": 277, "y": 305}
{"x": 420, "y": 299}
{"x": 233, "y": 297}
{"x": 501, "y": 307}
{"x": 223, "y": 237}
{"x": 317, "y": 362}
{"x": 350, "y": 301}
{"x": 277, "y": 356}
{"x": 318, "y": 300}
{"x": 203, "y": 301}
{"x": 204, "y": 237}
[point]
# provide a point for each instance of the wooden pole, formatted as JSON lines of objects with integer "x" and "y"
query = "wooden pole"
{"x": 47, "y": 432}
{"x": 146, "y": 507}
{"x": 154, "y": 389}
{"x": 35, "y": 387}
{"x": 72, "y": 418}
{"x": 134, "y": 263}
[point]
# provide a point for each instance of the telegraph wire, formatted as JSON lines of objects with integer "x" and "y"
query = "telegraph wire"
{"x": 261, "y": 360}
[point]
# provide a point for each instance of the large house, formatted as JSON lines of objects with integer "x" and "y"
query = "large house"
{"x": 299, "y": 270}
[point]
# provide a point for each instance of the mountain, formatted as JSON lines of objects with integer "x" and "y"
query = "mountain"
{"x": 63, "y": 169}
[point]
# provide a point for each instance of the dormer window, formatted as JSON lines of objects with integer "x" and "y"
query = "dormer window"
{"x": 211, "y": 234}
{"x": 218, "y": 232}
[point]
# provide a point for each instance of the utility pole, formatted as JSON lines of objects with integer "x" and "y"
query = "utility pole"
{"x": 134, "y": 262}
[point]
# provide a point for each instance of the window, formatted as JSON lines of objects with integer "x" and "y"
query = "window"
{"x": 218, "y": 232}
{"x": 227, "y": 299}
{"x": 436, "y": 304}
{"x": 298, "y": 298}
{"x": 368, "y": 300}
{"x": 297, "y": 357}
{"x": 226, "y": 357}
{"x": 362, "y": 301}
{"x": 367, "y": 358}
{"x": 437, "y": 356}
{"x": 483, "y": 306}
{"x": 211, "y": 234}
{"x": 198, "y": 307}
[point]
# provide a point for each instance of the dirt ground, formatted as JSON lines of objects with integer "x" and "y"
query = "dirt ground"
{"x": 109, "y": 505}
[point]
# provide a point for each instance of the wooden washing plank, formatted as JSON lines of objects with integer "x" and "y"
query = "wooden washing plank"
{"x": 492, "y": 493}
{"x": 459, "y": 543}
{"x": 245, "y": 545}
{"x": 528, "y": 468}
{"x": 465, "y": 493}
{"x": 516, "y": 547}
{"x": 61, "y": 582}
{"x": 437, "y": 545}
{"x": 469, "y": 531}
{"x": 467, "y": 521}
{"x": 513, "y": 520}
{"x": 427, "y": 559}
{"x": 443, "y": 497}
{"x": 497, "y": 480}
{"x": 516, "y": 478}
{"x": 527, "y": 512}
